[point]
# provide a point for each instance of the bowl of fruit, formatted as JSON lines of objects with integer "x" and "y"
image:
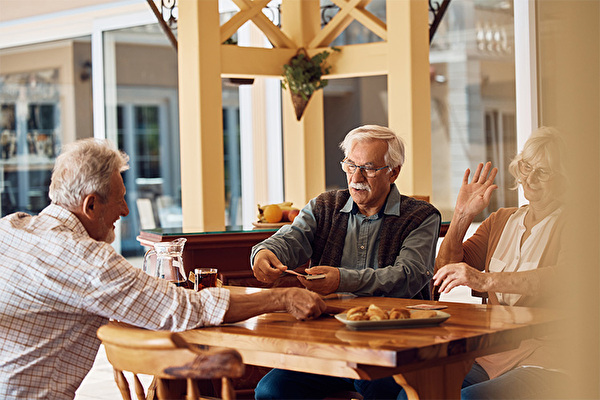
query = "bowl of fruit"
{"x": 276, "y": 215}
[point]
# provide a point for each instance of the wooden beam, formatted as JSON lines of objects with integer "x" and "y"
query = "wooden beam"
{"x": 249, "y": 62}
{"x": 272, "y": 32}
{"x": 246, "y": 12}
{"x": 201, "y": 120}
{"x": 336, "y": 26}
{"x": 409, "y": 91}
{"x": 363, "y": 16}
{"x": 359, "y": 60}
{"x": 303, "y": 141}
{"x": 354, "y": 60}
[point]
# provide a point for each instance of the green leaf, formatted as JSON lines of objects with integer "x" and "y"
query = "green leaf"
{"x": 302, "y": 75}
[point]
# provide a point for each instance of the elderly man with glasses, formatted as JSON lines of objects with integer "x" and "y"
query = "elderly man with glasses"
{"x": 368, "y": 240}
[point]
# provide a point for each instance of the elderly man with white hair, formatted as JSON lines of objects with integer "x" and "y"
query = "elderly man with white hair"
{"x": 62, "y": 280}
{"x": 368, "y": 240}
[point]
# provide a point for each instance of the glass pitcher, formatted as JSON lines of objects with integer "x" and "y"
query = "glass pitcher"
{"x": 165, "y": 261}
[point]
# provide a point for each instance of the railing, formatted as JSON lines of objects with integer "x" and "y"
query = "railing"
{"x": 436, "y": 11}
{"x": 167, "y": 16}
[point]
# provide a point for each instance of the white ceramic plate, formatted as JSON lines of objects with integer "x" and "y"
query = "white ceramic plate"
{"x": 394, "y": 323}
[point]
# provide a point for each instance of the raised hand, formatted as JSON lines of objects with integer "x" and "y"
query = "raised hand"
{"x": 475, "y": 196}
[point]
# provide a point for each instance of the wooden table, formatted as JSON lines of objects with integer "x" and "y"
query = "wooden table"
{"x": 433, "y": 360}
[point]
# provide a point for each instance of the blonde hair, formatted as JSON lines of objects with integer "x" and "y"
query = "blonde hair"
{"x": 544, "y": 144}
{"x": 394, "y": 155}
{"x": 85, "y": 167}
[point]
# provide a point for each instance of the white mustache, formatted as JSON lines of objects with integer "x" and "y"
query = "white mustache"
{"x": 360, "y": 186}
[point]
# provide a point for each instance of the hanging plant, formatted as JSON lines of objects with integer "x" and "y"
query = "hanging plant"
{"x": 302, "y": 75}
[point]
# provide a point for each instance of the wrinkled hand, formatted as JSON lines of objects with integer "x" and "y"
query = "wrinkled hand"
{"x": 474, "y": 197}
{"x": 267, "y": 267}
{"x": 460, "y": 274}
{"x": 303, "y": 304}
{"x": 324, "y": 286}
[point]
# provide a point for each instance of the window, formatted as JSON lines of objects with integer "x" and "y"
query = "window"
{"x": 473, "y": 99}
{"x": 41, "y": 107}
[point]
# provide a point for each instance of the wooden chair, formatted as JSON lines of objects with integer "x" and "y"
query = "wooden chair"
{"x": 482, "y": 295}
{"x": 175, "y": 364}
{"x": 419, "y": 197}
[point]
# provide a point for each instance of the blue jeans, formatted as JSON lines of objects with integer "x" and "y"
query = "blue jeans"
{"x": 518, "y": 383}
{"x": 282, "y": 384}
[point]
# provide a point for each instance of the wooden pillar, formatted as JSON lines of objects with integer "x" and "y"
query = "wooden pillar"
{"x": 303, "y": 143}
{"x": 409, "y": 92}
{"x": 200, "y": 113}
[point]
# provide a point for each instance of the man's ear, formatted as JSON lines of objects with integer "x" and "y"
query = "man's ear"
{"x": 394, "y": 174}
{"x": 89, "y": 206}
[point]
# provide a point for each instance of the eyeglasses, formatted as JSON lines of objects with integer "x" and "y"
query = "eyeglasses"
{"x": 543, "y": 175}
{"x": 368, "y": 171}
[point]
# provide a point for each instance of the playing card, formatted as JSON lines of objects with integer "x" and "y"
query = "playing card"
{"x": 306, "y": 276}
{"x": 427, "y": 307}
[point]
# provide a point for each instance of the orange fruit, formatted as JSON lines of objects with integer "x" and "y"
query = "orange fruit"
{"x": 272, "y": 213}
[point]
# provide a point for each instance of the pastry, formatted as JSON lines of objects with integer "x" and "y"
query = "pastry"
{"x": 423, "y": 314}
{"x": 376, "y": 314}
{"x": 399, "y": 313}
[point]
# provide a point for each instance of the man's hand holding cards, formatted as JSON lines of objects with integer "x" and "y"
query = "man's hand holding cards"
{"x": 306, "y": 276}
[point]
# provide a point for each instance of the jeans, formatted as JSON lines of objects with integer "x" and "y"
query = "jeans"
{"x": 282, "y": 384}
{"x": 518, "y": 383}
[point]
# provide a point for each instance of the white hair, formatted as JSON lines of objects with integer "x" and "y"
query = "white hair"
{"x": 394, "y": 155}
{"x": 85, "y": 167}
{"x": 544, "y": 144}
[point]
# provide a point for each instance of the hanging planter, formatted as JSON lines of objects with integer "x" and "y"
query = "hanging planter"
{"x": 303, "y": 77}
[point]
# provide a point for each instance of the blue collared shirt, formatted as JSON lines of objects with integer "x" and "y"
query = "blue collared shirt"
{"x": 359, "y": 271}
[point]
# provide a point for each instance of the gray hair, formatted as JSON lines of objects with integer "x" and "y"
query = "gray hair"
{"x": 85, "y": 167}
{"x": 546, "y": 144}
{"x": 394, "y": 156}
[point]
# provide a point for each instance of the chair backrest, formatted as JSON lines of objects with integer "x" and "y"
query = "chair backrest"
{"x": 419, "y": 197}
{"x": 169, "y": 358}
{"x": 483, "y": 295}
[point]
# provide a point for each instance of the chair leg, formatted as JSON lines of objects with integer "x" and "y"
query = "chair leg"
{"x": 122, "y": 384}
{"x": 152, "y": 391}
{"x": 227, "y": 392}
{"x": 162, "y": 391}
{"x": 139, "y": 389}
{"x": 192, "y": 390}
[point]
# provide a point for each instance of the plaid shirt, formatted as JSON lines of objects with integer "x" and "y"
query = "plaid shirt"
{"x": 58, "y": 286}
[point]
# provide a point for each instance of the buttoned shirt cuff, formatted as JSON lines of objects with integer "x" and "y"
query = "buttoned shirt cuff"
{"x": 347, "y": 278}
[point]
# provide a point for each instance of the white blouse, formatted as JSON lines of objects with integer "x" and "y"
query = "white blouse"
{"x": 511, "y": 257}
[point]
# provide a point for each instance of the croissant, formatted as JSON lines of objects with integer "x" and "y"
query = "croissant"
{"x": 376, "y": 314}
{"x": 357, "y": 314}
{"x": 399, "y": 313}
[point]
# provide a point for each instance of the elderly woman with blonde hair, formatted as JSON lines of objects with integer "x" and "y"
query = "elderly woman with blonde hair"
{"x": 513, "y": 256}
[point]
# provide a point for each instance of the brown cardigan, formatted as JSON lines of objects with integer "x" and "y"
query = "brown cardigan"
{"x": 477, "y": 252}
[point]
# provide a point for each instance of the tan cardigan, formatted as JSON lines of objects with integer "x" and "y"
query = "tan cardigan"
{"x": 477, "y": 252}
